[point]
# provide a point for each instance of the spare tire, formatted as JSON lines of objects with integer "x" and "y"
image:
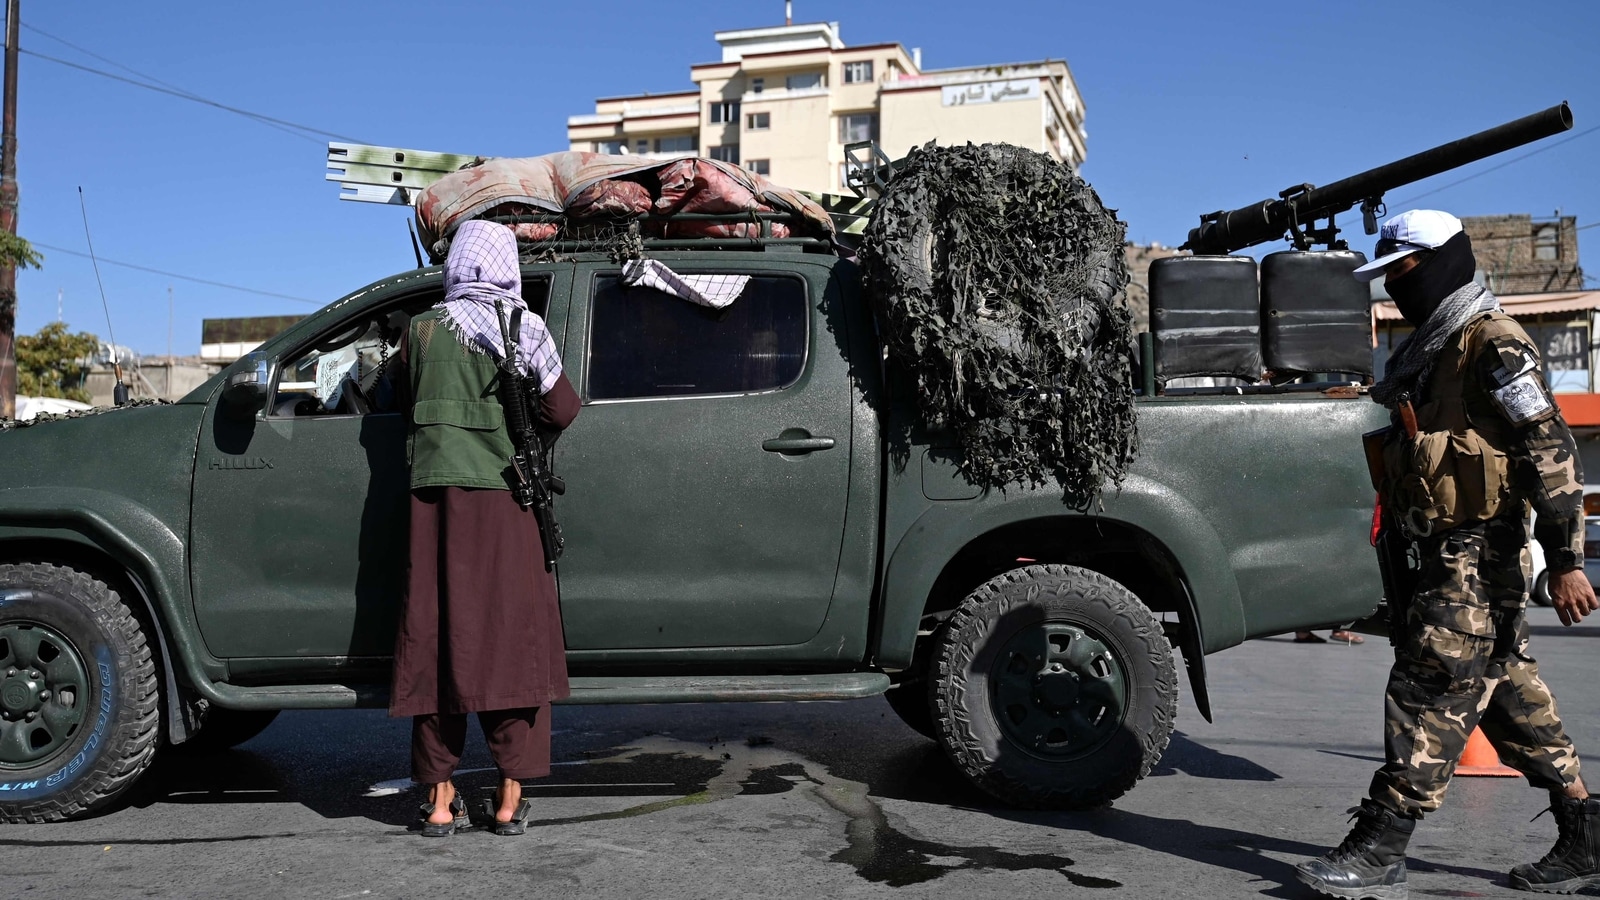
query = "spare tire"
{"x": 997, "y": 277}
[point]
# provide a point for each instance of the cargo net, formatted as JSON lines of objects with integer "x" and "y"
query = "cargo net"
{"x": 997, "y": 276}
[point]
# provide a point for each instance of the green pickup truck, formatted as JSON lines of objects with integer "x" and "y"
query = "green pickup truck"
{"x": 738, "y": 527}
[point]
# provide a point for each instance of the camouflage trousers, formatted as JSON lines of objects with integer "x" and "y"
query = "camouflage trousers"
{"x": 1447, "y": 678}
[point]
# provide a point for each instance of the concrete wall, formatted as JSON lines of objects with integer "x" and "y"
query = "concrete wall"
{"x": 911, "y": 118}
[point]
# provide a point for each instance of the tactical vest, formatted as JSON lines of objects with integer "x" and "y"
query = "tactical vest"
{"x": 458, "y": 434}
{"x": 1457, "y": 469}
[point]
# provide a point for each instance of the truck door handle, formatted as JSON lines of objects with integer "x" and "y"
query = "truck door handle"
{"x": 796, "y": 441}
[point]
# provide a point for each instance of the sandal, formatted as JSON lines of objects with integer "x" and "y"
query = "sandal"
{"x": 519, "y": 818}
{"x": 458, "y": 807}
{"x": 1309, "y": 638}
{"x": 1347, "y": 637}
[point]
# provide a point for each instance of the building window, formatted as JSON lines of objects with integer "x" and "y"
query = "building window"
{"x": 858, "y": 127}
{"x": 803, "y": 80}
{"x": 611, "y": 148}
{"x": 759, "y": 166}
{"x": 643, "y": 343}
{"x": 683, "y": 143}
{"x": 728, "y": 153}
{"x": 758, "y": 121}
{"x": 1547, "y": 243}
{"x": 641, "y": 146}
{"x": 858, "y": 72}
{"x": 725, "y": 112}
{"x": 757, "y": 85}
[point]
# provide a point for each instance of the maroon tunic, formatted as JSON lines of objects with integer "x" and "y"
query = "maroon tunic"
{"x": 481, "y": 624}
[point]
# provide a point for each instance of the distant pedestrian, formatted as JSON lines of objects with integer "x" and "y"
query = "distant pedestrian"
{"x": 1476, "y": 438}
{"x": 481, "y": 627}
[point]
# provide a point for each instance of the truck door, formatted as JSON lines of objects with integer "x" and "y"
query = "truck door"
{"x": 300, "y": 515}
{"x": 707, "y": 473}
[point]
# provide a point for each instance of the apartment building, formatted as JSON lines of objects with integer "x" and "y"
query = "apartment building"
{"x": 784, "y": 101}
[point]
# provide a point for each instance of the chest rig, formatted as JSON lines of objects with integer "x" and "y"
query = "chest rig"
{"x": 1456, "y": 470}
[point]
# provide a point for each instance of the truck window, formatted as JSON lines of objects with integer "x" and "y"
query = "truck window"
{"x": 345, "y": 372}
{"x": 644, "y": 343}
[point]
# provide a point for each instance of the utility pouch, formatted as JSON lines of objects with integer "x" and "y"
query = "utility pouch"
{"x": 1442, "y": 479}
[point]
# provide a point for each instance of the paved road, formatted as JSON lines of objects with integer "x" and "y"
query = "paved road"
{"x": 790, "y": 800}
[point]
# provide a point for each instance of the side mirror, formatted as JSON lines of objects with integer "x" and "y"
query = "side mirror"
{"x": 246, "y": 391}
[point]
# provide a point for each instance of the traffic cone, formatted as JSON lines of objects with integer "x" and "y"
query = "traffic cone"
{"x": 1480, "y": 759}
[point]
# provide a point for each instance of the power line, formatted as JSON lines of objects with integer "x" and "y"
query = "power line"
{"x": 220, "y": 284}
{"x": 146, "y": 76}
{"x": 1403, "y": 204}
{"x": 195, "y": 98}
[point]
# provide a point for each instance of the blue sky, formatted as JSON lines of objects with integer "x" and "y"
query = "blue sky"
{"x": 1189, "y": 109}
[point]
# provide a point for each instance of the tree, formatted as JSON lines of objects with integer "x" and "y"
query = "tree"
{"x": 54, "y": 363}
{"x": 16, "y": 252}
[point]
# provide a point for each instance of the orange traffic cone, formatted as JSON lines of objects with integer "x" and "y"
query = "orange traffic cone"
{"x": 1480, "y": 759}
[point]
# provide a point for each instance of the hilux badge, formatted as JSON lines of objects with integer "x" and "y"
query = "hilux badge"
{"x": 240, "y": 462}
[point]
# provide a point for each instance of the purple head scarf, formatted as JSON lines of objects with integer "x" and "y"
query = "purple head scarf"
{"x": 482, "y": 268}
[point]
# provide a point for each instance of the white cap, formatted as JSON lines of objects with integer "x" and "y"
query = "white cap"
{"x": 1405, "y": 234}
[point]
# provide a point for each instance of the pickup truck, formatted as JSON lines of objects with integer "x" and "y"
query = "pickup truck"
{"x": 745, "y": 519}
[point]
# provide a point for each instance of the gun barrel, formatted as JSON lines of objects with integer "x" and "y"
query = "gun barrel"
{"x": 1267, "y": 220}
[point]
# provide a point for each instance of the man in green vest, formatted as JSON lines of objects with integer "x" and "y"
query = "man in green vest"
{"x": 1477, "y": 439}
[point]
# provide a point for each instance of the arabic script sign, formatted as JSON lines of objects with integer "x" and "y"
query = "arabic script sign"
{"x": 990, "y": 92}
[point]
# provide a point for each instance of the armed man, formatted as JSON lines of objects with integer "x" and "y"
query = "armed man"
{"x": 1477, "y": 438}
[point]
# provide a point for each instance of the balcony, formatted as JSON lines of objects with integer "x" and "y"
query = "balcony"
{"x": 783, "y": 94}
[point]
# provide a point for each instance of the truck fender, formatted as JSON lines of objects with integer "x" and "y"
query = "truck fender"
{"x": 156, "y": 565}
{"x": 944, "y": 529}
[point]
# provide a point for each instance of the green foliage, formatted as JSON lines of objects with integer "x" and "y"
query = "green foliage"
{"x": 17, "y": 252}
{"x": 998, "y": 278}
{"x": 52, "y": 362}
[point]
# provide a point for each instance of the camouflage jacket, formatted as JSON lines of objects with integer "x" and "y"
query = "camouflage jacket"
{"x": 1544, "y": 457}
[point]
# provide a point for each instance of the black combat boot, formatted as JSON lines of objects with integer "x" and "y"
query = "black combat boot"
{"x": 1371, "y": 863}
{"x": 1574, "y": 862}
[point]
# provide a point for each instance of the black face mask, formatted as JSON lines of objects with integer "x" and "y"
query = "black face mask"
{"x": 1419, "y": 292}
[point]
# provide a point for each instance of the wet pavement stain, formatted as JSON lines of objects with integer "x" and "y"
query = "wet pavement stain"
{"x": 877, "y": 850}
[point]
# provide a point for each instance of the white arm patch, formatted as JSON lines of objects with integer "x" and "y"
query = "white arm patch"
{"x": 1521, "y": 400}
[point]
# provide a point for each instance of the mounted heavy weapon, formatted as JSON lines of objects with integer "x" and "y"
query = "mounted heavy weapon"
{"x": 1297, "y": 208}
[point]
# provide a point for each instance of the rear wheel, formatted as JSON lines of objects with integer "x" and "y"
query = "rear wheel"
{"x": 1054, "y": 687}
{"x": 78, "y": 694}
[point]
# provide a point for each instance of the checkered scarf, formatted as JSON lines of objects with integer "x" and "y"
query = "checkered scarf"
{"x": 1412, "y": 362}
{"x": 482, "y": 269}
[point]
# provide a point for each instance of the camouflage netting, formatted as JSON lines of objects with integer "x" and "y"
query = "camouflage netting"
{"x": 997, "y": 276}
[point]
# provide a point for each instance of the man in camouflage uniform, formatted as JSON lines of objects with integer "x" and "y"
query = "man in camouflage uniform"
{"x": 1477, "y": 440}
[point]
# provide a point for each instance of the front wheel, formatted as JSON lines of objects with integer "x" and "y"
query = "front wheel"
{"x": 78, "y": 694}
{"x": 1055, "y": 688}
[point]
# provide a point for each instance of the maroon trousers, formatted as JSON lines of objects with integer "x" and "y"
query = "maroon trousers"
{"x": 519, "y": 743}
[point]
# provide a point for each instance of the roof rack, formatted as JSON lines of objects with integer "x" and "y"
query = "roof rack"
{"x": 396, "y": 176}
{"x": 604, "y": 234}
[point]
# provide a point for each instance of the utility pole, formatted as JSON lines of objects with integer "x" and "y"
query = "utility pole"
{"x": 8, "y": 217}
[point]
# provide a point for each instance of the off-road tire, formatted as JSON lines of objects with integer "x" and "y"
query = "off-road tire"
{"x": 224, "y": 729}
{"x": 116, "y": 741}
{"x": 1011, "y": 608}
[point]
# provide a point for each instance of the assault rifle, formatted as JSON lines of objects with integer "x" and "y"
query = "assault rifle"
{"x": 535, "y": 484}
{"x": 1297, "y": 209}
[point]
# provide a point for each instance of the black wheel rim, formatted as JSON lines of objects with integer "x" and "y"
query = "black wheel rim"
{"x": 44, "y": 689}
{"x": 1059, "y": 691}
